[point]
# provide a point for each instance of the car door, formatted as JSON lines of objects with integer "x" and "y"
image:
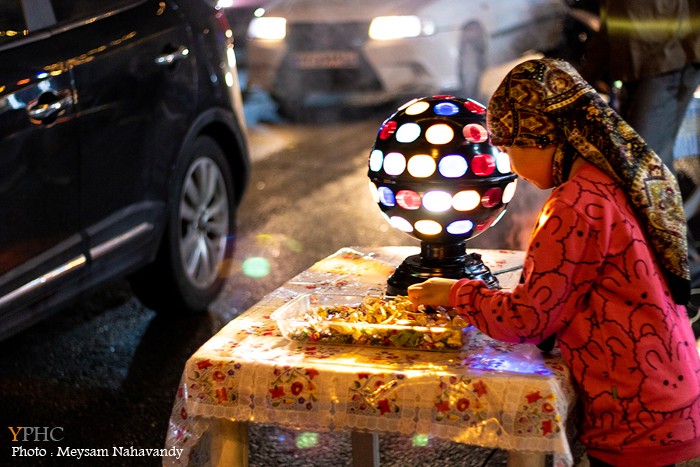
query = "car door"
{"x": 134, "y": 78}
{"x": 40, "y": 241}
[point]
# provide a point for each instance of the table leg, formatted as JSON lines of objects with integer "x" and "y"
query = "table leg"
{"x": 365, "y": 449}
{"x": 229, "y": 443}
{"x": 526, "y": 459}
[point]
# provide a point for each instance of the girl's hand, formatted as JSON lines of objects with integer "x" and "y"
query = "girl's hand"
{"x": 433, "y": 292}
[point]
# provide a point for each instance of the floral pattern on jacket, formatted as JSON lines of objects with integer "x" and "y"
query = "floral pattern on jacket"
{"x": 590, "y": 278}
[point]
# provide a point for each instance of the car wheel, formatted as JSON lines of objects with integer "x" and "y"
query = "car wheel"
{"x": 192, "y": 264}
{"x": 471, "y": 61}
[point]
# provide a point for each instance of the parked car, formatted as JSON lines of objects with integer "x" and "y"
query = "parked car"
{"x": 122, "y": 152}
{"x": 365, "y": 50}
{"x": 239, "y": 14}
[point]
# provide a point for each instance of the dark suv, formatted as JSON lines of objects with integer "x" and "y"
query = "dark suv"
{"x": 122, "y": 152}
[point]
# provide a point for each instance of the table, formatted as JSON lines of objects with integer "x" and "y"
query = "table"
{"x": 490, "y": 394}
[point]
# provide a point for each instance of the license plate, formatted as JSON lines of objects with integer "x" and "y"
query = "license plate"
{"x": 325, "y": 60}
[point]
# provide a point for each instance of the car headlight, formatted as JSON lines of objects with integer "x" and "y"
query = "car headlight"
{"x": 385, "y": 28}
{"x": 268, "y": 28}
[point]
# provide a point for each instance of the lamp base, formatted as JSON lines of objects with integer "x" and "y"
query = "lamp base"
{"x": 418, "y": 268}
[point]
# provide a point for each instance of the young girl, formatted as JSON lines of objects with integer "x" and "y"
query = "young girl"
{"x": 605, "y": 271}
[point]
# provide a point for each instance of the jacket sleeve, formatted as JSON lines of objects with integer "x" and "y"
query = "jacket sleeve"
{"x": 562, "y": 262}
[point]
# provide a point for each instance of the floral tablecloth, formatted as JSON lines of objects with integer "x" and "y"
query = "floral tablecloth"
{"x": 490, "y": 393}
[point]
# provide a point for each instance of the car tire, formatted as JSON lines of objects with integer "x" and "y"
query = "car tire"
{"x": 191, "y": 266}
{"x": 472, "y": 61}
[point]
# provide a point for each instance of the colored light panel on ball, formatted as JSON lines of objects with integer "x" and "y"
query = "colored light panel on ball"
{"x": 509, "y": 191}
{"x": 428, "y": 227}
{"x": 417, "y": 108}
{"x": 408, "y": 199}
{"x": 394, "y": 163}
{"x": 460, "y": 227}
{"x": 401, "y": 224}
{"x": 376, "y": 158}
{"x": 453, "y": 166}
{"x": 437, "y": 201}
{"x": 492, "y": 197}
{"x": 440, "y": 133}
{"x": 503, "y": 163}
{"x": 475, "y": 107}
{"x": 446, "y": 109}
{"x": 483, "y": 164}
{"x": 387, "y": 129}
{"x": 408, "y": 133}
{"x": 466, "y": 200}
{"x": 434, "y": 174}
{"x": 475, "y": 133}
{"x": 421, "y": 166}
{"x": 386, "y": 196}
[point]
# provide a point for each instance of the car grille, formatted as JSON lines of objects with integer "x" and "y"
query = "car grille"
{"x": 313, "y": 38}
{"x": 319, "y": 36}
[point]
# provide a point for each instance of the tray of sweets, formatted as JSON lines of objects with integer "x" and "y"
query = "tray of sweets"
{"x": 369, "y": 320}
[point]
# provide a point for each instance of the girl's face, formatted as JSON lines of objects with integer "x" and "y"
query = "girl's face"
{"x": 532, "y": 164}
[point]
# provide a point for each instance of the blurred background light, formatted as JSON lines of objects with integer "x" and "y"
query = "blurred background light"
{"x": 384, "y": 28}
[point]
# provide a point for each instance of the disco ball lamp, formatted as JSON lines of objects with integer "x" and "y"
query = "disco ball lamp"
{"x": 436, "y": 177}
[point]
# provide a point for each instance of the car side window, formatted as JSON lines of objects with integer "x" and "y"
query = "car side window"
{"x": 69, "y": 11}
{"x": 12, "y": 24}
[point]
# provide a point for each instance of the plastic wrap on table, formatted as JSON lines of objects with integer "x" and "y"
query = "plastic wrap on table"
{"x": 490, "y": 394}
{"x": 369, "y": 320}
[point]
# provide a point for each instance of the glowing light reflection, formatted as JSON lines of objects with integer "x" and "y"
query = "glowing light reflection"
{"x": 256, "y": 267}
{"x": 446, "y": 109}
{"x": 428, "y": 227}
{"x": 420, "y": 440}
{"x": 387, "y": 129}
{"x": 394, "y": 163}
{"x": 492, "y": 197}
{"x": 460, "y": 227}
{"x": 375, "y": 160}
{"x": 437, "y": 201}
{"x": 306, "y": 440}
{"x": 386, "y": 196}
{"x": 401, "y": 224}
{"x": 408, "y": 199}
{"x": 453, "y": 166}
{"x": 408, "y": 133}
{"x": 475, "y": 133}
{"x": 483, "y": 165}
{"x": 498, "y": 218}
{"x": 421, "y": 166}
{"x": 503, "y": 163}
{"x": 417, "y": 108}
{"x": 439, "y": 134}
{"x": 466, "y": 200}
{"x": 509, "y": 191}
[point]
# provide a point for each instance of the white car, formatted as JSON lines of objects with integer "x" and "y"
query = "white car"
{"x": 369, "y": 50}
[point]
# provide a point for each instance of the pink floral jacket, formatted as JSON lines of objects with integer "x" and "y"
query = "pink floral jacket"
{"x": 590, "y": 278}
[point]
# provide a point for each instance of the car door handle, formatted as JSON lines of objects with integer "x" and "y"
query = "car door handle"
{"x": 49, "y": 106}
{"x": 166, "y": 59}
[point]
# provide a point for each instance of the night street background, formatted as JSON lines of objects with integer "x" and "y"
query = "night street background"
{"x": 107, "y": 368}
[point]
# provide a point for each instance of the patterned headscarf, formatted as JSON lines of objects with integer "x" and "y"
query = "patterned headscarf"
{"x": 546, "y": 102}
